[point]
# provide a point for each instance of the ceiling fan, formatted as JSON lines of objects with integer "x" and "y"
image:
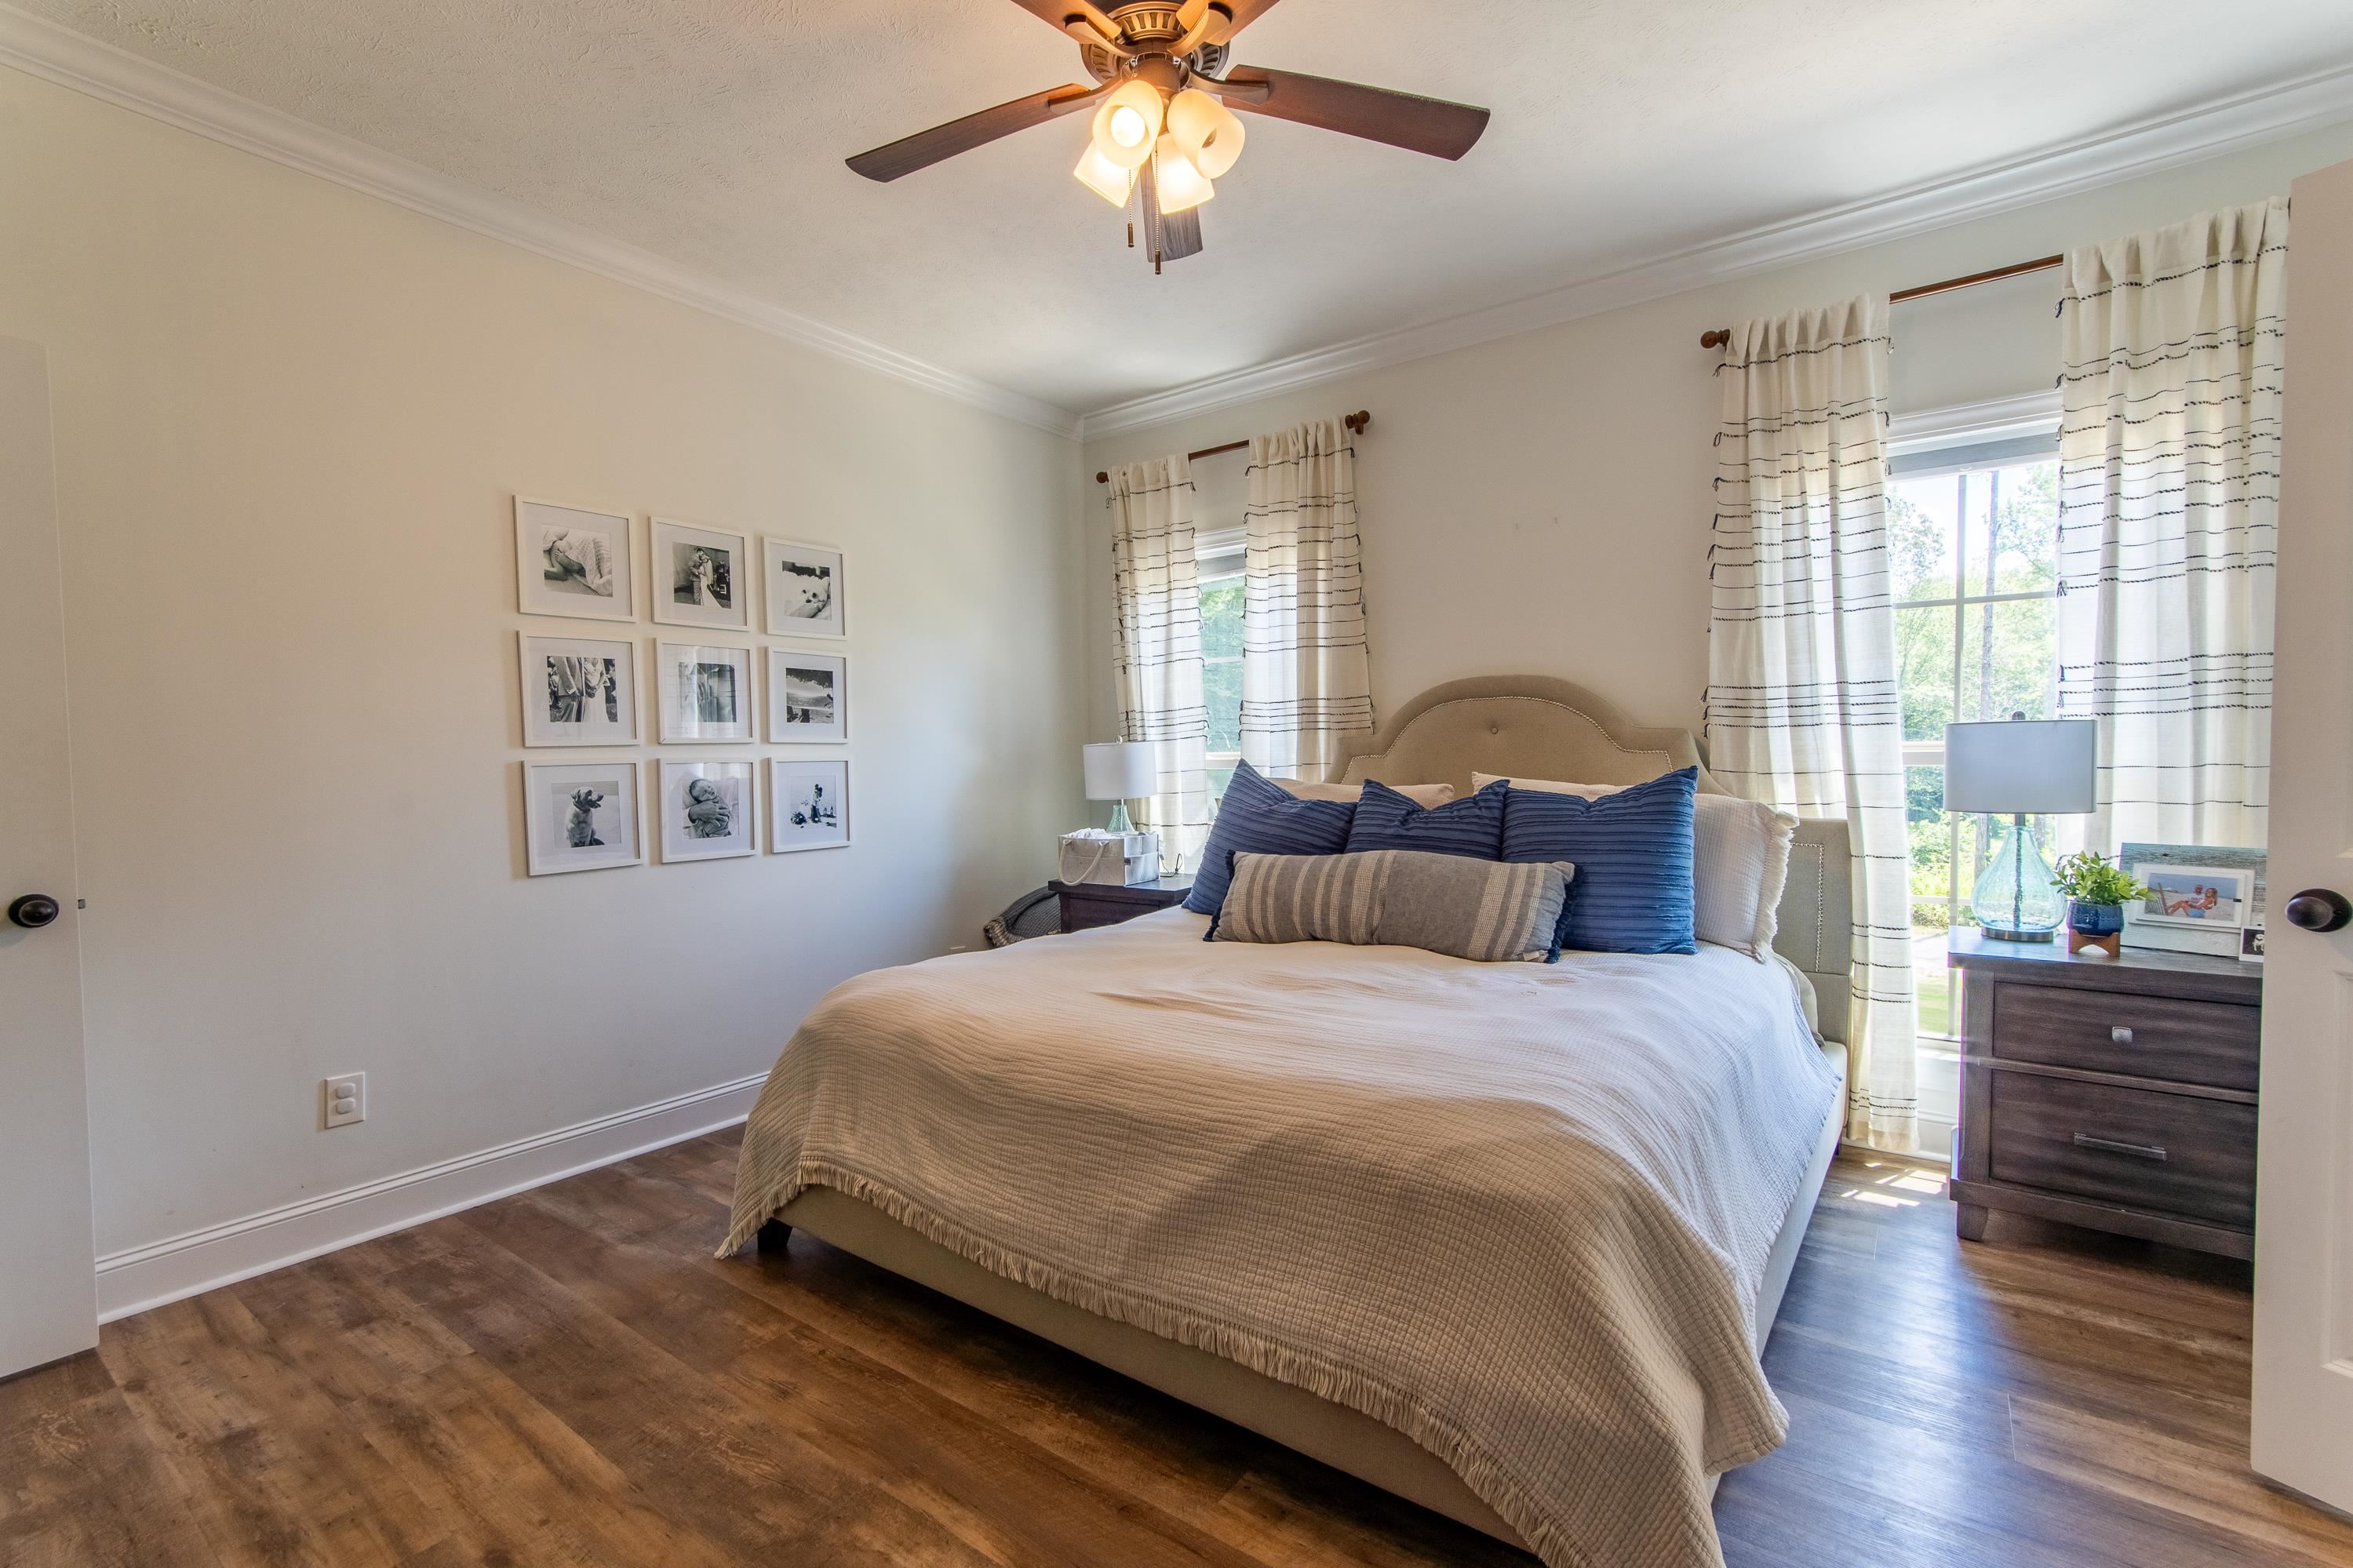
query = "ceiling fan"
{"x": 1163, "y": 104}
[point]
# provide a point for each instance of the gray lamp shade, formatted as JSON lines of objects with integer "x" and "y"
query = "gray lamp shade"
{"x": 2032, "y": 765}
{"x": 1119, "y": 769}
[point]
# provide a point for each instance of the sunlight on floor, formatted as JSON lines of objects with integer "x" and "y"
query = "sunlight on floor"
{"x": 1890, "y": 1179}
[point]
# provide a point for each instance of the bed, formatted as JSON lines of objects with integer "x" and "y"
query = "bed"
{"x": 1503, "y": 1240}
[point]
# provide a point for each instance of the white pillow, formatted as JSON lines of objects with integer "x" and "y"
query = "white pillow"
{"x": 1740, "y": 862}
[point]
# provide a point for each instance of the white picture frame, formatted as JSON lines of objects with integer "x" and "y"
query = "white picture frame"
{"x": 708, "y": 811}
{"x": 567, "y": 803}
{"x": 797, "y": 787}
{"x": 806, "y": 589}
{"x": 808, "y": 697}
{"x": 699, "y": 576}
{"x": 577, "y": 691}
{"x": 704, "y": 693}
{"x": 2191, "y": 909}
{"x": 573, "y": 560}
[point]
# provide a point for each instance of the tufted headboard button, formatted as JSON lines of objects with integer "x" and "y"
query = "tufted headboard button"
{"x": 1493, "y": 728}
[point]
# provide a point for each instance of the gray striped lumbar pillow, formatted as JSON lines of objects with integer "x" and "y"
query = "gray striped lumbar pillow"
{"x": 1489, "y": 910}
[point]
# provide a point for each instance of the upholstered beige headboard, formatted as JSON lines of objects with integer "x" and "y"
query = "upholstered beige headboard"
{"x": 1537, "y": 727}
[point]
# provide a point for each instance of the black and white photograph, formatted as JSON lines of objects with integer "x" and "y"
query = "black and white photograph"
{"x": 705, "y": 691}
{"x": 805, "y": 589}
{"x": 697, "y": 576}
{"x": 578, "y": 692}
{"x": 808, "y": 696}
{"x": 808, "y": 804}
{"x": 580, "y": 816}
{"x": 572, "y": 561}
{"x": 707, "y": 811}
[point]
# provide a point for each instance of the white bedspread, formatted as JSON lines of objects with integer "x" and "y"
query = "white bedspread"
{"x": 1518, "y": 1211}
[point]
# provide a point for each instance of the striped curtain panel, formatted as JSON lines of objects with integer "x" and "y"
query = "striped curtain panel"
{"x": 1158, "y": 586}
{"x": 1802, "y": 711}
{"x": 1307, "y": 681}
{"x": 2169, "y": 500}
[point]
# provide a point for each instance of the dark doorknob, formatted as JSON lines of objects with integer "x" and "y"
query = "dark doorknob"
{"x": 2319, "y": 909}
{"x": 33, "y": 911}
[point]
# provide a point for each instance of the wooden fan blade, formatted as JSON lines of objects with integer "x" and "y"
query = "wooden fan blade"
{"x": 1429, "y": 125}
{"x": 1230, "y": 16}
{"x": 1064, "y": 14}
{"x": 925, "y": 148}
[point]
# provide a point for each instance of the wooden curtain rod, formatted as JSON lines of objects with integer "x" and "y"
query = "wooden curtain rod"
{"x": 1354, "y": 422}
{"x": 1722, "y": 335}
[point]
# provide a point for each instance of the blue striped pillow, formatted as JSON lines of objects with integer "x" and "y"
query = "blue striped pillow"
{"x": 1632, "y": 851}
{"x": 1472, "y": 827}
{"x": 1256, "y": 817}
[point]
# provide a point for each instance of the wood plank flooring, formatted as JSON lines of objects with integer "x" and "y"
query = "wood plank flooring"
{"x": 567, "y": 1377}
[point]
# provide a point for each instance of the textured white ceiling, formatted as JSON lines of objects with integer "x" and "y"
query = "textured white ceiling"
{"x": 711, "y": 132}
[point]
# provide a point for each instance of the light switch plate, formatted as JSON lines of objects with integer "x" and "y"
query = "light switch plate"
{"x": 345, "y": 1099}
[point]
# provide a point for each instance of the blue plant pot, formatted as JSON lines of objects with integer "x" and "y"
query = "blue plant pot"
{"x": 2095, "y": 920}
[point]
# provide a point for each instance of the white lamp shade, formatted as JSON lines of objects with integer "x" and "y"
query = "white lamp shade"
{"x": 2030, "y": 765}
{"x": 1119, "y": 769}
{"x": 1206, "y": 132}
{"x": 1180, "y": 186}
{"x": 1128, "y": 124}
{"x": 1104, "y": 178}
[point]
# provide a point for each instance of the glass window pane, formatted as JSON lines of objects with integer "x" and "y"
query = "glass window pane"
{"x": 1219, "y": 779}
{"x": 1924, "y": 671}
{"x": 2013, "y": 523}
{"x": 1920, "y": 514}
{"x": 1221, "y": 618}
{"x": 2010, "y": 659}
{"x": 1221, "y": 690}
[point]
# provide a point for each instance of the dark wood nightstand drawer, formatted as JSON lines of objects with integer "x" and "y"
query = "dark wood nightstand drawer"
{"x": 2163, "y": 1154}
{"x": 2210, "y": 1043}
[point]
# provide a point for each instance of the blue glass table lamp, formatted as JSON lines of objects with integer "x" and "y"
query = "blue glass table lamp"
{"x": 2018, "y": 768}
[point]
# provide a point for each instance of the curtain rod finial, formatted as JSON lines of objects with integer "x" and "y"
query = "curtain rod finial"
{"x": 1102, "y": 477}
{"x": 1717, "y": 338}
{"x": 1358, "y": 421}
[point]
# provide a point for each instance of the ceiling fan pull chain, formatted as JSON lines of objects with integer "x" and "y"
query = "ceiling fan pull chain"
{"x": 1131, "y": 234}
{"x": 1156, "y": 264}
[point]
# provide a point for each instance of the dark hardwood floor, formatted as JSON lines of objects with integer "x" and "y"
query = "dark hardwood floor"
{"x": 568, "y": 1377}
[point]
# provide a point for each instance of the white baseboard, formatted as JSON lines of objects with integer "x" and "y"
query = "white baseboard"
{"x": 182, "y": 1265}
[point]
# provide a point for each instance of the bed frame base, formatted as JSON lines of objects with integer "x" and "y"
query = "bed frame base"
{"x": 1344, "y": 1439}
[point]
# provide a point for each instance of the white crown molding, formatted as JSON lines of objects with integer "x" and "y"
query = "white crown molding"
{"x": 181, "y": 1265}
{"x": 2267, "y": 115}
{"x": 58, "y": 53}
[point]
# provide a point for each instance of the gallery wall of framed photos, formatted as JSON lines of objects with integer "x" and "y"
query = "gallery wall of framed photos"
{"x": 579, "y": 562}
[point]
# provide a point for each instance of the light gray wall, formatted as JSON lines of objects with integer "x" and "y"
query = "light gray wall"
{"x": 1540, "y": 504}
{"x": 290, "y": 420}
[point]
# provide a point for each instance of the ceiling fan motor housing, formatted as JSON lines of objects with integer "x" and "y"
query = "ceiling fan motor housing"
{"x": 1147, "y": 29}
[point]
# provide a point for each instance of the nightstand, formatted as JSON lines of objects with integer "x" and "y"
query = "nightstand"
{"x": 2116, "y": 1093}
{"x": 1086, "y": 905}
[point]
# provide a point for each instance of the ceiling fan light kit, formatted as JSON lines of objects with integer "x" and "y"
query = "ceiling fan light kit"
{"x": 1155, "y": 131}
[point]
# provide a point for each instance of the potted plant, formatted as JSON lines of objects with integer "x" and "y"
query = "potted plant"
{"x": 2097, "y": 895}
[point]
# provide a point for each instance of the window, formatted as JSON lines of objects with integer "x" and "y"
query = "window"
{"x": 1221, "y": 559}
{"x": 1973, "y": 530}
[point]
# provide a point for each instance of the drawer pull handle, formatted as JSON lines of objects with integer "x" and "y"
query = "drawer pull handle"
{"x": 2119, "y": 1035}
{"x": 2110, "y": 1146}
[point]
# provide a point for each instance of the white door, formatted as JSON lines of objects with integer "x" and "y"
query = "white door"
{"x": 2304, "y": 1198}
{"x": 48, "y": 1295}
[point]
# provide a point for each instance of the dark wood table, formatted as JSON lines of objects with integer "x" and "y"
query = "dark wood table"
{"x": 2116, "y": 1093}
{"x": 1086, "y": 905}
